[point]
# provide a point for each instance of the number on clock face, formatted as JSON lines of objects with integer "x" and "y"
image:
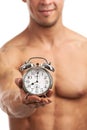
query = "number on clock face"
{"x": 36, "y": 81}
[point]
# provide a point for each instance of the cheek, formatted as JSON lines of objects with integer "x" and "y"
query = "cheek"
{"x": 32, "y": 7}
{"x": 59, "y": 2}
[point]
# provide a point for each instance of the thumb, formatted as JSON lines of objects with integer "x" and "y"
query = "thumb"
{"x": 19, "y": 82}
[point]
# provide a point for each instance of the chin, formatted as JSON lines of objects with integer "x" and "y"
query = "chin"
{"x": 47, "y": 25}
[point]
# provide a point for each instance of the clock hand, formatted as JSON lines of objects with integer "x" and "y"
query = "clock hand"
{"x": 36, "y": 79}
{"x": 34, "y": 82}
{"x": 37, "y": 75}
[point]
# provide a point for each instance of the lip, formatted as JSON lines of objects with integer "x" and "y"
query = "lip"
{"x": 46, "y": 12}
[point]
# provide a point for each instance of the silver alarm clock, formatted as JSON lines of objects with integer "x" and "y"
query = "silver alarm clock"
{"x": 37, "y": 80}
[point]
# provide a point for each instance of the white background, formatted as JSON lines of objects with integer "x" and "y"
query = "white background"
{"x": 14, "y": 18}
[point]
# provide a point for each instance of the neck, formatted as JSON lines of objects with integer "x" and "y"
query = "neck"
{"x": 47, "y": 34}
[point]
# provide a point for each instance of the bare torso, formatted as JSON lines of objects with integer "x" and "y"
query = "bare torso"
{"x": 68, "y": 110}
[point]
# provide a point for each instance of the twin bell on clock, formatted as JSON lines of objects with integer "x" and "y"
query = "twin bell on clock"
{"x": 37, "y": 80}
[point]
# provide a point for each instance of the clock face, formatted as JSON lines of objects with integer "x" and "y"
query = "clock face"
{"x": 37, "y": 81}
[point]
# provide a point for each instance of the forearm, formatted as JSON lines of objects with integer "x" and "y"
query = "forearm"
{"x": 12, "y": 104}
{"x": 10, "y": 95}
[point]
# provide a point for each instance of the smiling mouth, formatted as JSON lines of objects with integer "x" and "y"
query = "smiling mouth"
{"x": 46, "y": 12}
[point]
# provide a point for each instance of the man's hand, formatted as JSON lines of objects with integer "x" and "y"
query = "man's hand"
{"x": 33, "y": 100}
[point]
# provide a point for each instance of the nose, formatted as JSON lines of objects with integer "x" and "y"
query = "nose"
{"x": 46, "y": 1}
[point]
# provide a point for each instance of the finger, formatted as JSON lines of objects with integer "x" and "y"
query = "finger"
{"x": 45, "y": 101}
{"x": 31, "y": 99}
{"x": 34, "y": 98}
{"x": 49, "y": 93}
{"x": 19, "y": 82}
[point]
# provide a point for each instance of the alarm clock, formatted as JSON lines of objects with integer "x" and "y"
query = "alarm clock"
{"x": 37, "y": 79}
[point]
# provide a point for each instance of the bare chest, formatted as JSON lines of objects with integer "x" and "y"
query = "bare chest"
{"x": 70, "y": 76}
{"x": 71, "y": 73}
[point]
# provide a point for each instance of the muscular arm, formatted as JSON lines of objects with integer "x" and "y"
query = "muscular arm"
{"x": 10, "y": 95}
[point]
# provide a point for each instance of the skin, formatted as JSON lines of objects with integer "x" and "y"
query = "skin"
{"x": 65, "y": 107}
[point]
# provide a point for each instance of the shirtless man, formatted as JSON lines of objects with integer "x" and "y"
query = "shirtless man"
{"x": 65, "y": 107}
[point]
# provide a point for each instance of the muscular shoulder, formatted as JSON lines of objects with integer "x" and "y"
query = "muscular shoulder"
{"x": 81, "y": 43}
{"x": 74, "y": 36}
{"x": 77, "y": 39}
{"x": 12, "y": 50}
